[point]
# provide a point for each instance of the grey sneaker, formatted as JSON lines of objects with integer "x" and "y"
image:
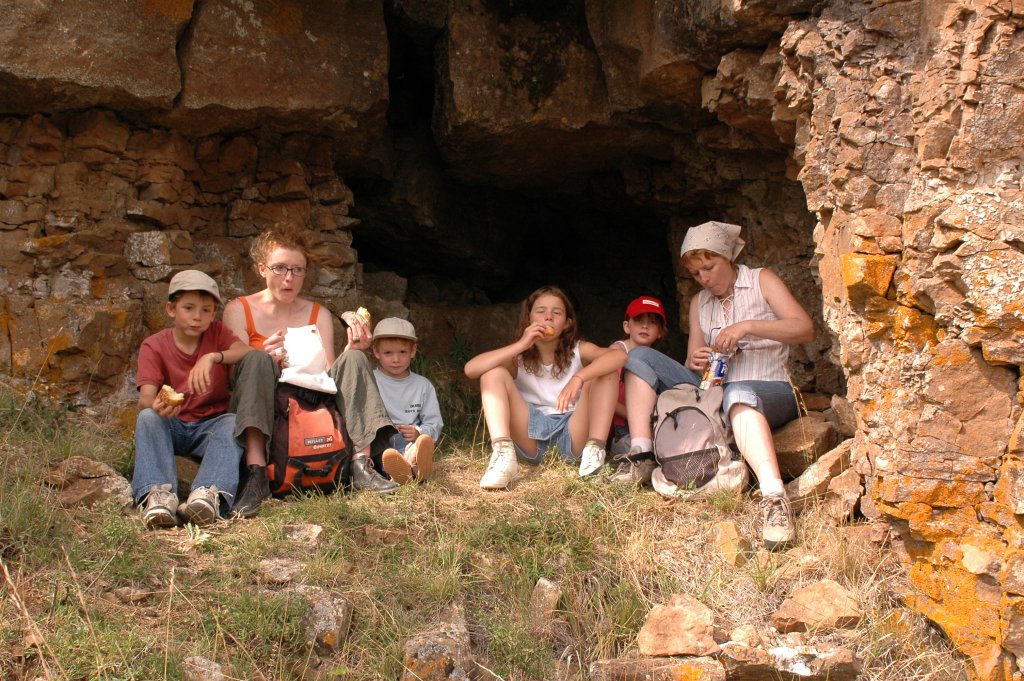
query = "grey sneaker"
{"x": 777, "y": 528}
{"x": 158, "y": 510}
{"x": 635, "y": 468}
{"x": 201, "y": 508}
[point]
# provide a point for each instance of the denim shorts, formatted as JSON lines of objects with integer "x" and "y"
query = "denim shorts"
{"x": 774, "y": 399}
{"x": 550, "y": 431}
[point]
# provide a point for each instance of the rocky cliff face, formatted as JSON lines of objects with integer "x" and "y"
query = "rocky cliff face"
{"x": 454, "y": 155}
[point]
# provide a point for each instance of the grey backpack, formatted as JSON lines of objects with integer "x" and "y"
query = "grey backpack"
{"x": 691, "y": 443}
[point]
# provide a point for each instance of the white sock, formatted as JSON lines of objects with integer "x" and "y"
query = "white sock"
{"x": 642, "y": 444}
{"x": 772, "y": 487}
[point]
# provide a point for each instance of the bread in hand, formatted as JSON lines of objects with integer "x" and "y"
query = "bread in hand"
{"x": 170, "y": 396}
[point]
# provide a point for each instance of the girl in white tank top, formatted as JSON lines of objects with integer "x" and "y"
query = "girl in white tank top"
{"x": 547, "y": 390}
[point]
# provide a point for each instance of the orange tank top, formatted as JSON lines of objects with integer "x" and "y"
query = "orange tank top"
{"x": 255, "y": 337}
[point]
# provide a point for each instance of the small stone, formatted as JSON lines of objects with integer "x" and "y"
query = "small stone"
{"x": 658, "y": 669}
{"x": 842, "y": 499}
{"x": 746, "y": 634}
{"x": 800, "y": 443}
{"x": 328, "y": 622}
{"x": 278, "y": 570}
{"x": 307, "y": 534}
{"x": 543, "y": 604}
{"x": 732, "y": 547}
{"x": 82, "y": 481}
{"x": 683, "y": 627}
{"x": 199, "y": 668}
{"x": 814, "y": 481}
{"x": 444, "y": 654}
{"x": 818, "y": 606}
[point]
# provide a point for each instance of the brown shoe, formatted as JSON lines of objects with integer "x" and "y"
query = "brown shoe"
{"x": 396, "y": 466}
{"x": 424, "y": 457}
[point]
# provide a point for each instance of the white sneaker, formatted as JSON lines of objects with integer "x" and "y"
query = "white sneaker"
{"x": 591, "y": 460}
{"x": 502, "y": 469}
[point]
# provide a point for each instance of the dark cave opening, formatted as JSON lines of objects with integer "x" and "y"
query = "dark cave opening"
{"x": 598, "y": 211}
{"x": 462, "y": 243}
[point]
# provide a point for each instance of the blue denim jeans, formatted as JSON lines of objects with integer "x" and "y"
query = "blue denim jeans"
{"x": 211, "y": 440}
{"x": 774, "y": 399}
{"x": 398, "y": 442}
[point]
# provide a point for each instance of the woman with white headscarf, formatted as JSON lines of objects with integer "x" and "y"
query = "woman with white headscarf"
{"x": 751, "y": 315}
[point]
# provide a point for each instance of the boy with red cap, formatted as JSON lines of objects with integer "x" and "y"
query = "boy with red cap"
{"x": 644, "y": 325}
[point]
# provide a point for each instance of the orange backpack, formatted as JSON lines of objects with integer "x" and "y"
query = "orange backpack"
{"x": 310, "y": 448}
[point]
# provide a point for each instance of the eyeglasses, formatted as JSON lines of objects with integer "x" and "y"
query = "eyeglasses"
{"x": 280, "y": 270}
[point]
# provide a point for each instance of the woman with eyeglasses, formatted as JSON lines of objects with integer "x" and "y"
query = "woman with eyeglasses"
{"x": 750, "y": 316}
{"x": 282, "y": 257}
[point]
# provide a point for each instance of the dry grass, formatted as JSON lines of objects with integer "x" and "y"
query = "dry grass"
{"x": 91, "y": 594}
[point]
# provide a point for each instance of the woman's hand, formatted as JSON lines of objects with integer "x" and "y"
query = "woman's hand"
{"x": 699, "y": 359}
{"x": 570, "y": 394}
{"x": 359, "y": 335}
{"x": 274, "y": 346}
{"x": 728, "y": 339}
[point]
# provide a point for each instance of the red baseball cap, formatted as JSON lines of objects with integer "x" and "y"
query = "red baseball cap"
{"x": 645, "y": 304}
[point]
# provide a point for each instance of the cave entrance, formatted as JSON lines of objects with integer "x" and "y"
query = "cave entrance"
{"x": 479, "y": 213}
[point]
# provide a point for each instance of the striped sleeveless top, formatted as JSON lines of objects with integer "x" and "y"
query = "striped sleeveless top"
{"x": 759, "y": 359}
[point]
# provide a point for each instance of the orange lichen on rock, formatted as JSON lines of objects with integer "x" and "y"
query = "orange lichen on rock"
{"x": 865, "y": 276}
{"x": 955, "y": 600}
{"x": 902, "y": 489}
{"x": 912, "y": 329}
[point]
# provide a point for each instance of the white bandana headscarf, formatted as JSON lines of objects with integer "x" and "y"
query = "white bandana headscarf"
{"x": 717, "y": 237}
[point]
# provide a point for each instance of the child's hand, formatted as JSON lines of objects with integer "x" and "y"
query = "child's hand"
{"x": 410, "y": 433}
{"x": 274, "y": 346}
{"x": 570, "y": 394}
{"x": 163, "y": 409}
{"x": 700, "y": 359}
{"x": 199, "y": 379}
{"x": 535, "y": 332}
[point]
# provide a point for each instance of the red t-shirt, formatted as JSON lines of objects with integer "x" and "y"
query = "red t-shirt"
{"x": 161, "y": 361}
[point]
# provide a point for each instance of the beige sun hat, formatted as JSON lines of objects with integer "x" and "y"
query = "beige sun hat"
{"x": 193, "y": 280}
{"x": 718, "y": 237}
{"x": 394, "y": 327}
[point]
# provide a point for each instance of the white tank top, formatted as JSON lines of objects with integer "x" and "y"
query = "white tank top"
{"x": 759, "y": 359}
{"x": 542, "y": 390}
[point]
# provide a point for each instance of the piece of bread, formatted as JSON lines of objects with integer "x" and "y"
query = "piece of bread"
{"x": 170, "y": 396}
{"x": 362, "y": 314}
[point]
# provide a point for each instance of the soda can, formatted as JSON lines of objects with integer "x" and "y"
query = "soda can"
{"x": 718, "y": 367}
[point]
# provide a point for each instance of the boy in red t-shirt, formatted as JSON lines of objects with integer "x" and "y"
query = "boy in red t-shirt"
{"x": 190, "y": 357}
